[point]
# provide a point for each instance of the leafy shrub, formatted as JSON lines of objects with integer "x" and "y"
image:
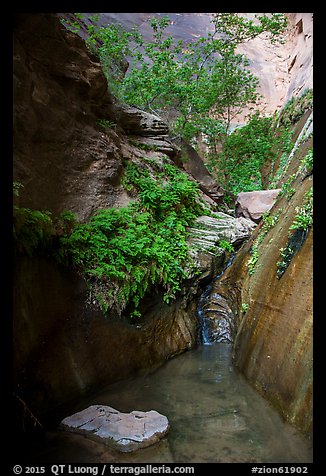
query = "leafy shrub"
{"x": 247, "y": 151}
{"x": 194, "y": 79}
{"x": 225, "y": 245}
{"x": 296, "y": 107}
{"x": 16, "y": 186}
{"x": 304, "y": 217}
{"x": 286, "y": 255}
{"x": 306, "y": 164}
{"x": 295, "y": 242}
{"x": 287, "y": 190}
{"x": 106, "y": 124}
{"x": 33, "y": 229}
{"x": 251, "y": 263}
{"x": 298, "y": 232}
{"x": 268, "y": 222}
{"x": 244, "y": 307}
{"x": 123, "y": 253}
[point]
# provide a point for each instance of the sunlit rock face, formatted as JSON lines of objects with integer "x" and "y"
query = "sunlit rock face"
{"x": 284, "y": 70}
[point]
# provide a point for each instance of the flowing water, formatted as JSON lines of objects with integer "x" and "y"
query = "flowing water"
{"x": 215, "y": 416}
{"x": 215, "y": 327}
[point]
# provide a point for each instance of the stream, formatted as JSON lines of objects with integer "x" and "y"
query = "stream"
{"x": 217, "y": 327}
{"x": 215, "y": 417}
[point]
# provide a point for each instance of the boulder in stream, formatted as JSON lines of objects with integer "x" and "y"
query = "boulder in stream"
{"x": 125, "y": 432}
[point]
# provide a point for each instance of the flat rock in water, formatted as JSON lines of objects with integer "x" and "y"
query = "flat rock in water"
{"x": 124, "y": 431}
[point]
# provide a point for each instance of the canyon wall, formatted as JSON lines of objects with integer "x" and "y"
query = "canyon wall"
{"x": 67, "y": 157}
{"x": 273, "y": 346}
{"x": 284, "y": 69}
{"x": 64, "y": 347}
{"x": 72, "y": 141}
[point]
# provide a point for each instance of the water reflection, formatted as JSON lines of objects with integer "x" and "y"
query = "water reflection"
{"x": 215, "y": 415}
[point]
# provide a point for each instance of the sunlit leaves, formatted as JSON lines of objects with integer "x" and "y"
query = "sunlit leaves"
{"x": 124, "y": 252}
{"x": 195, "y": 79}
{"x": 246, "y": 151}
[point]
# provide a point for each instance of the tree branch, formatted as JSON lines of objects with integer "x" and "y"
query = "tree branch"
{"x": 26, "y": 409}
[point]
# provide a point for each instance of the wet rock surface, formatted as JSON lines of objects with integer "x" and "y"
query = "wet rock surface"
{"x": 215, "y": 417}
{"x": 218, "y": 320}
{"x": 126, "y": 432}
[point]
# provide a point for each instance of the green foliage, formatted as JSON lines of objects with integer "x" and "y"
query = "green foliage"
{"x": 113, "y": 45}
{"x": 16, "y": 186}
{"x": 64, "y": 224}
{"x": 225, "y": 245}
{"x": 244, "y": 307}
{"x": 304, "y": 217}
{"x": 204, "y": 76}
{"x": 32, "y": 229}
{"x": 71, "y": 25}
{"x": 296, "y": 107}
{"x": 245, "y": 153}
{"x": 125, "y": 252}
{"x": 294, "y": 244}
{"x": 298, "y": 231}
{"x": 68, "y": 216}
{"x": 306, "y": 165}
{"x": 142, "y": 145}
{"x": 251, "y": 263}
{"x": 106, "y": 124}
{"x": 286, "y": 255}
{"x": 268, "y": 222}
{"x": 173, "y": 192}
{"x": 287, "y": 190}
{"x": 240, "y": 29}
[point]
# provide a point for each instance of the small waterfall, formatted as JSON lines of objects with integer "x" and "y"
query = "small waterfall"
{"x": 214, "y": 313}
{"x": 205, "y": 337}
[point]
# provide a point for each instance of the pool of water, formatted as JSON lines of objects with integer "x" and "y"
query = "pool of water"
{"x": 215, "y": 417}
